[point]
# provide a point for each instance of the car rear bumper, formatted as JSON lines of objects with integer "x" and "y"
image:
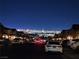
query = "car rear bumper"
{"x": 54, "y": 50}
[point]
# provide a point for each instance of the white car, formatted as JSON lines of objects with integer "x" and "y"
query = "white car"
{"x": 54, "y": 47}
{"x": 71, "y": 42}
{"x": 75, "y": 45}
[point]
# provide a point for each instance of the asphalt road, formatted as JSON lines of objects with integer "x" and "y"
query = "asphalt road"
{"x": 30, "y": 51}
{"x": 71, "y": 54}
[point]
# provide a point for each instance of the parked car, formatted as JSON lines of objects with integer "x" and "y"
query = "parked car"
{"x": 71, "y": 42}
{"x": 75, "y": 45}
{"x": 54, "y": 47}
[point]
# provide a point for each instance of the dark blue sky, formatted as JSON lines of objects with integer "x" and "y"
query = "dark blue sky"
{"x": 39, "y": 14}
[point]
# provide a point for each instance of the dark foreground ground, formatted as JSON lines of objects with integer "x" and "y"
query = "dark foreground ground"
{"x": 30, "y": 51}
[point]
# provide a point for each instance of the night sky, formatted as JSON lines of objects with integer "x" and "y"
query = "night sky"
{"x": 39, "y": 14}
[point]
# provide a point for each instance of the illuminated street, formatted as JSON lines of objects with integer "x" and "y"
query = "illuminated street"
{"x": 39, "y": 44}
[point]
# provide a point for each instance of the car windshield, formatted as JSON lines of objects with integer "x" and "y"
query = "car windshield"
{"x": 54, "y": 43}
